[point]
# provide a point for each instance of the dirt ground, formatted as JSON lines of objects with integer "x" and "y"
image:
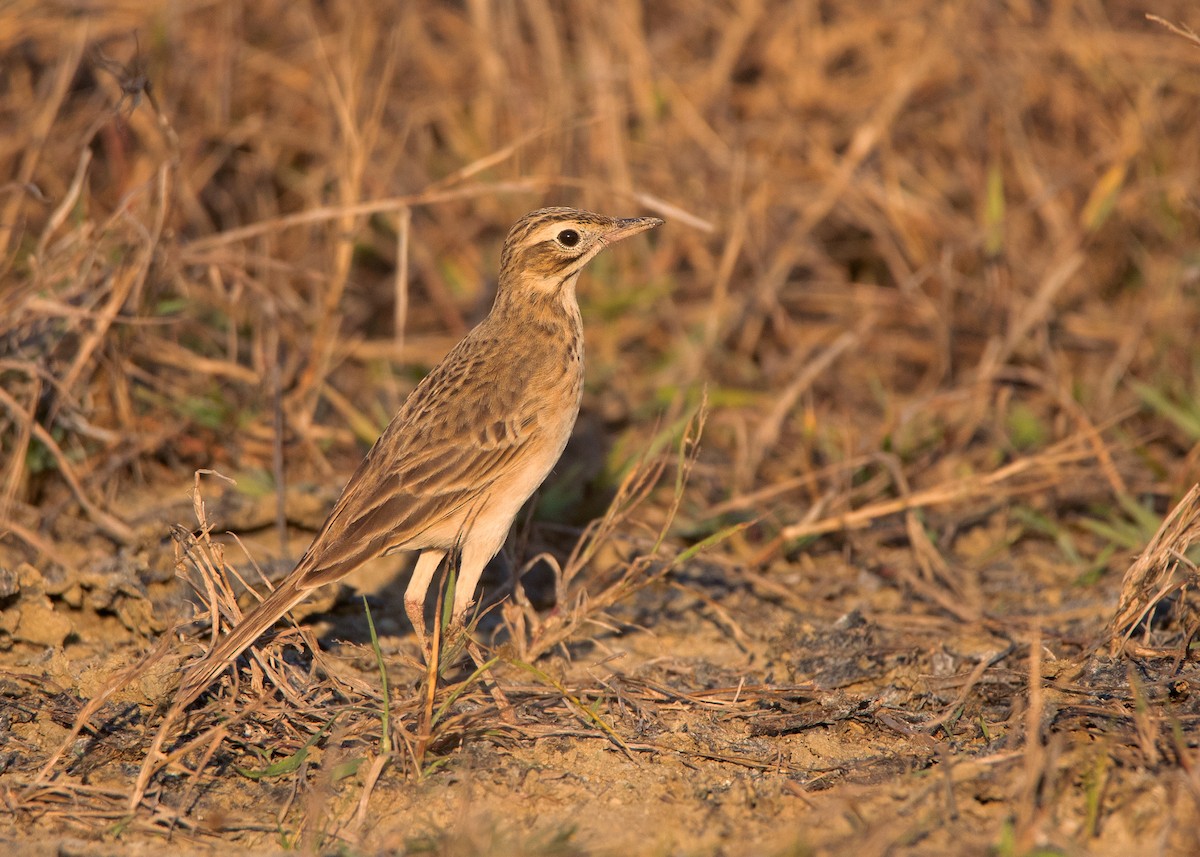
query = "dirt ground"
{"x": 876, "y": 533}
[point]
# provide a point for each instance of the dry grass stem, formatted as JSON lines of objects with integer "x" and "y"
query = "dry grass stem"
{"x": 1161, "y": 569}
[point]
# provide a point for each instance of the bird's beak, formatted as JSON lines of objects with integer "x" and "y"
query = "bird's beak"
{"x": 630, "y": 226}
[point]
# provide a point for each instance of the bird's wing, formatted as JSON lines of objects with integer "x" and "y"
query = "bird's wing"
{"x": 459, "y": 433}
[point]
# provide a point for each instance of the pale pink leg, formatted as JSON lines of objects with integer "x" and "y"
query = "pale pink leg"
{"x": 414, "y": 595}
{"x": 475, "y": 558}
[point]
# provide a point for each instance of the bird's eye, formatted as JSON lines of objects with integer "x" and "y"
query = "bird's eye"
{"x": 568, "y": 238}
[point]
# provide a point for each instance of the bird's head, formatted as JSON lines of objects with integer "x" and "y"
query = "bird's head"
{"x": 546, "y": 249}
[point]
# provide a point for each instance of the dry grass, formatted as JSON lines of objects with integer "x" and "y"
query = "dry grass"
{"x": 925, "y": 584}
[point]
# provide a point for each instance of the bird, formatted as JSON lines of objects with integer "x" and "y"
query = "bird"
{"x": 470, "y": 444}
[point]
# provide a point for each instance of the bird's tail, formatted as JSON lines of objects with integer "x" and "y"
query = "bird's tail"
{"x": 286, "y": 596}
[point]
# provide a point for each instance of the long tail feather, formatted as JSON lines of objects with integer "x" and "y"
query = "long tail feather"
{"x": 243, "y": 635}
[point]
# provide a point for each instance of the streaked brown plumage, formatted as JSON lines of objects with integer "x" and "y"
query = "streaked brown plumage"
{"x": 470, "y": 444}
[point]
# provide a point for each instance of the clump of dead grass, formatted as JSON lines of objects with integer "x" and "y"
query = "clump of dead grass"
{"x": 1163, "y": 570}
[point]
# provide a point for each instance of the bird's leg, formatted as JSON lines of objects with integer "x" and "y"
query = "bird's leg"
{"x": 418, "y": 586}
{"x": 471, "y": 566}
{"x": 472, "y": 562}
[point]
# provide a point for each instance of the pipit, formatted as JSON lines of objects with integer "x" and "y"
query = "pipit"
{"x": 471, "y": 442}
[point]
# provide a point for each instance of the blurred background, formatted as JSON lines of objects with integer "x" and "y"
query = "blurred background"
{"x": 948, "y": 233}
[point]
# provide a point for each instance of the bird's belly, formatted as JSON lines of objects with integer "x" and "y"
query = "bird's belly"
{"x": 509, "y": 495}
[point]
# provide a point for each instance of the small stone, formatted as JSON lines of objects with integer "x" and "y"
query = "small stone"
{"x": 73, "y": 596}
{"x": 9, "y": 617}
{"x": 10, "y": 582}
{"x": 29, "y": 577}
{"x": 40, "y": 625}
